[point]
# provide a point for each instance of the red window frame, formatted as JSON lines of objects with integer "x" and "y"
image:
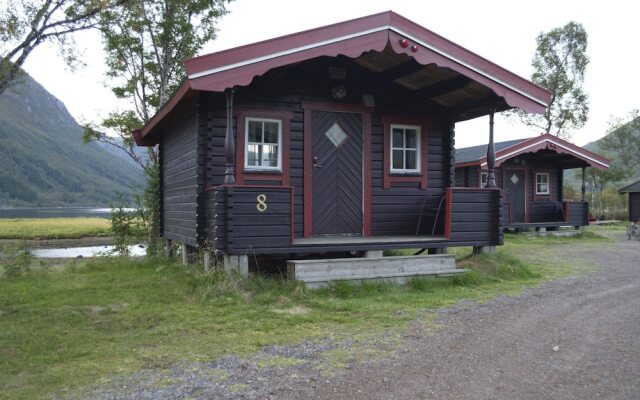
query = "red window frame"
{"x": 390, "y": 178}
{"x": 282, "y": 176}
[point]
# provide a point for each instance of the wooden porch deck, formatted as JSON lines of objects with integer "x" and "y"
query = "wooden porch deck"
{"x": 551, "y": 224}
{"x": 365, "y": 240}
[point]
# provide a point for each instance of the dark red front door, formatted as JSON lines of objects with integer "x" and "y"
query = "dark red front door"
{"x": 337, "y": 173}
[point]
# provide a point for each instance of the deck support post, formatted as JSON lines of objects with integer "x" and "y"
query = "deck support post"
{"x": 187, "y": 253}
{"x": 208, "y": 260}
{"x": 168, "y": 247}
{"x": 584, "y": 186}
{"x": 484, "y": 249}
{"x": 229, "y": 142}
{"x": 491, "y": 155}
{"x": 236, "y": 264}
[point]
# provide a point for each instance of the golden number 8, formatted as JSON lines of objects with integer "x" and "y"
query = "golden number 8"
{"x": 262, "y": 202}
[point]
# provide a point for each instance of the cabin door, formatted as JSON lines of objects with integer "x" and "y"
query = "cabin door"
{"x": 516, "y": 192}
{"x": 337, "y": 173}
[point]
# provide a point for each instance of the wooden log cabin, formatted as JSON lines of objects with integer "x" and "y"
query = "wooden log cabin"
{"x": 634, "y": 200}
{"x": 335, "y": 139}
{"x": 531, "y": 174}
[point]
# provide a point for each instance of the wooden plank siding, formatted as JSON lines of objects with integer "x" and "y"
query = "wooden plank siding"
{"x": 257, "y": 218}
{"x": 179, "y": 166}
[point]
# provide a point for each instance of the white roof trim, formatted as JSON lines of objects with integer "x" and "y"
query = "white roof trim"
{"x": 509, "y": 155}
{"x": 355, "y": 35}
{"x": 287, "y": 52}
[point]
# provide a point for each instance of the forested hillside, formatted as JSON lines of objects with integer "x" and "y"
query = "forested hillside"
{"x": 43, "y": 161}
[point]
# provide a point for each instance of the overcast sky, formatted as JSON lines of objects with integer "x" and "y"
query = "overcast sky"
{"x": 501, "y": 31}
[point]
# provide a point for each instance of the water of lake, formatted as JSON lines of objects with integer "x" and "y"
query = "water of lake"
{"x": 56, "y": 212}
{"x": 90, "y": 251}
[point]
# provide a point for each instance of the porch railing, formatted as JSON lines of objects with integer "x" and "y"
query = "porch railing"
{"x": 576, "y": 213}
{"x": 474, "y": 216}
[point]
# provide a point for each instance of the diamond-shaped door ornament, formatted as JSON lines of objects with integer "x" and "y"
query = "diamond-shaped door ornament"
{"x": 514, "y": 179}
{"x": 336, "y": 135}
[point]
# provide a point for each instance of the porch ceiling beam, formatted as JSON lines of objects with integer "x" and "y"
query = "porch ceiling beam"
{"x": 443, "y": 87}
{"x": 398, "y": 71}
{"x": 369, "y": 78}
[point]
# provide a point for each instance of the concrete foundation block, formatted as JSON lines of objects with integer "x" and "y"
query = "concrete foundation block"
{"x": 373, "y": 253}
{"x": 188, "y": 254}
{"x": 236, "y": 264}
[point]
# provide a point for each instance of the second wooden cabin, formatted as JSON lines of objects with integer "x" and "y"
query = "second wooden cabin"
{"x": 531, "y": 174}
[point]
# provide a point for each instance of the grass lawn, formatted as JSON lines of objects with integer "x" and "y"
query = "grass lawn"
{"x": 53, "y": 228}
{"x": 76, "y": 326}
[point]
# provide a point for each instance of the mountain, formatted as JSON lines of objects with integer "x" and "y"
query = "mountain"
{"x": 43, "y": 161}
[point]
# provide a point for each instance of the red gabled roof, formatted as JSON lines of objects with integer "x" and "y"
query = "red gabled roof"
{"x": 542, "y": 142}
{"x": 238, "y": 66}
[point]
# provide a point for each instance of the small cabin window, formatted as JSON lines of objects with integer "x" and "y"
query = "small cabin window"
{"x": 542, "y": 183}
{"x": 263, "y": 148}
{"x": 484, "y": 177}
{"x": 405, "y": 149}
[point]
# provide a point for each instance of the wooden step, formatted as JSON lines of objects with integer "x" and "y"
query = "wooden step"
{"x": 317, "y": 273}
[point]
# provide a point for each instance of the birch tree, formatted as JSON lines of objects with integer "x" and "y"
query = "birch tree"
{"x": 559, "y": 66}
{"x": 27, "y": 24}
{"x": 145, "y": 43}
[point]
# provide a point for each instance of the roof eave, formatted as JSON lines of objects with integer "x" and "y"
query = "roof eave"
{"x": 238, "y": 66}
{"x": 630, "y": 188}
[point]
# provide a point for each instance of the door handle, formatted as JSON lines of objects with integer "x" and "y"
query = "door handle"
{"x": 316, "y": 162}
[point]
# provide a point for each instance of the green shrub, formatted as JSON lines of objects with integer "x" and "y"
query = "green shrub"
{"x": 15, "y": 261}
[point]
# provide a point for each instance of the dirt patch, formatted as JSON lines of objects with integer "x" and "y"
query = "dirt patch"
{"x": 297, "y": 310}
{"x": 96, "y": 310}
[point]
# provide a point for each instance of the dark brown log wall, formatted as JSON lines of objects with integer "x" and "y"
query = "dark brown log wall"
{"x": 179, "y": 163}
{"x": 404, "y": 208}
{"x": 634, "y": 207}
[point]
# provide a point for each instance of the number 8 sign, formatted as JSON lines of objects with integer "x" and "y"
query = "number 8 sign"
{"x": 261, "y": 202}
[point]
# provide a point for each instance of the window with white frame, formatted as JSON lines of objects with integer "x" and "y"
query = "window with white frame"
{"x": 263, "y": 144}
{"x": 484, "y": 177}
{"x": 405, "y": 148}
{"x": 542, "y": 183}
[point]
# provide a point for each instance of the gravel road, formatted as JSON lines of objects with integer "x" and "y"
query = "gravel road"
{"x": 574, "y": 338}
